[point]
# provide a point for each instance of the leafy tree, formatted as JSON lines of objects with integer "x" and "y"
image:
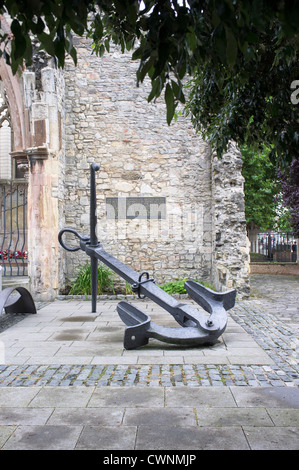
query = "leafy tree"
{"x": 242, "y": 57}
{"x": 262, "y": 189}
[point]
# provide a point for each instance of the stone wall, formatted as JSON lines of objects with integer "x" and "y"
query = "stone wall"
{"x": 108, "y": 120}
{"x": 43, "y": 107}
{"x": 231, "y": 245}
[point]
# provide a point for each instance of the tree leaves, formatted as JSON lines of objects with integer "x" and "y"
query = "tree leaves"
{"x": 242, "y": 57}
{"x": 231, "y": 47}
{"x": 290, "y": 192}
{"x": 169, "y": 100}
{"x": 261, "y": 188}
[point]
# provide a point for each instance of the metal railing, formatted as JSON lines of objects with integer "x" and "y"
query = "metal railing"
{"x": 13, "y": 228}
{"x": 274, "y": 246}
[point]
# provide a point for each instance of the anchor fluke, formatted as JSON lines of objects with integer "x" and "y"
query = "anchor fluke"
{"x": 207, "y": 298}
{"x": 138, "y": 325}
{"x": 22, "y": 302}
{"x": 140, "y": 328}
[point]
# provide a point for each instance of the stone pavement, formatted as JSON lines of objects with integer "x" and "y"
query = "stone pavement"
{"x": 66, "y": 381}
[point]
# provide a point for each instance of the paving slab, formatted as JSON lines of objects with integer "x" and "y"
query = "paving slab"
{"x": 86, "y": 416}
{"x": 62, "y": 397}
{"x": 5, "y": 433}
{"x": 284, "y": 417}
{"x": 43, "y": 438}
{"x": 132, "y": 396}
{"x": 207, "y": 416}
{"x": 185, "y": 438}
{"x": 107, "y": 438}
{"x": 160, "y": 417}
{"x": 266, "y": 438}
{"x": 279, "y": 397}
{"x": 17, "y": 397}
{"x": 24, "y": 416}
{"x": 215, "y": 397}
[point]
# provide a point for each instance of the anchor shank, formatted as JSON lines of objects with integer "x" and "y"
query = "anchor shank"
{"x": 185, "y": 315}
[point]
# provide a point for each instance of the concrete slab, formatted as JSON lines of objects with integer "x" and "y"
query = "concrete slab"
{"x": 127, "y": 397}
{"x": 107, "y": 438}
{"x": 207, "y": 416}
{"x": 43, "y": 438}
{"x": 5, "y": 433}
{"x": 24, "y": 416}
{"x": 284, "y": 417}
{"x": 17, "y": 396}
{"x": 160, "y": 417}
{"x": 86, "y": 416}
{"x": 62, "y": 397}
{"x": 266, "y": 438}
{"x": 269, "y": 397}
{"x": 198, "y": 397}
{"x": 184, "y": 438}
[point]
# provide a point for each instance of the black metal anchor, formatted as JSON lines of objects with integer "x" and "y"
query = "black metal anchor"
{"x": 197, "y": 327}
{"x": 20, "y": 302}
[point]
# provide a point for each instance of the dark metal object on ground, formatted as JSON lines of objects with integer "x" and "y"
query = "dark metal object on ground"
{"x": 22, "y": 302}
{"x": 197, "y": 327}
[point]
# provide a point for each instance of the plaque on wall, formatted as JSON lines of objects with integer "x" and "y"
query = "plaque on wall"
{"x": 151, "y": 208}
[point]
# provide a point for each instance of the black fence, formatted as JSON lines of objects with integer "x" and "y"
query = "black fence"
{"x": 274, "y": 246}
{"x": 13, "y": 228}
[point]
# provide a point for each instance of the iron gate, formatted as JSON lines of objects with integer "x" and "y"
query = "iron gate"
{"x": 275, "y": 246}
{"x": 13, "y": 228}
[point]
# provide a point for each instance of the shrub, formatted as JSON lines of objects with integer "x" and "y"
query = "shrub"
{"x": 82, "y": 284}
{"x": 177, "y": 287}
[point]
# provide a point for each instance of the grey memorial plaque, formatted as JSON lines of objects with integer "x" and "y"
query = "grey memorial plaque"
{"x": 136, "y": 208}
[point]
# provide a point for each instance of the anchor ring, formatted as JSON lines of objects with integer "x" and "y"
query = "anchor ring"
{"x": 84, "y": 238}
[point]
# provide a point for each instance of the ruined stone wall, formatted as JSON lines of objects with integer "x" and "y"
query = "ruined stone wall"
{"x": 231, "y": 245}
{"x": 108, "y": 121}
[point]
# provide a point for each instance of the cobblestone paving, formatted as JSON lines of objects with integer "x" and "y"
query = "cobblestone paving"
{"x": 190, "y": 375}
{"x": 271, "y": 317}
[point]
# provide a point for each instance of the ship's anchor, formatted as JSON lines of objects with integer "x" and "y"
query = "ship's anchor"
{"x": 196, "y": 327}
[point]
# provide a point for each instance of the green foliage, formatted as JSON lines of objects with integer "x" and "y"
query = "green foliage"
{"x": 177, "y": 287}
{"x": 242, "y": 57}
{"x": 82, "y": 283}
{"x": 260, "y": 188}
{"x": 263, "y": 203}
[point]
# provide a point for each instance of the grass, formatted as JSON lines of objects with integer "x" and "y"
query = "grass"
{"x": 82, "y": 284}
{"x": 177, "y": 287}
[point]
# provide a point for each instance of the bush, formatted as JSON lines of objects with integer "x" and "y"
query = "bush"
{"x": 82, "y": 284}
{"x": 177, "y": 287}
